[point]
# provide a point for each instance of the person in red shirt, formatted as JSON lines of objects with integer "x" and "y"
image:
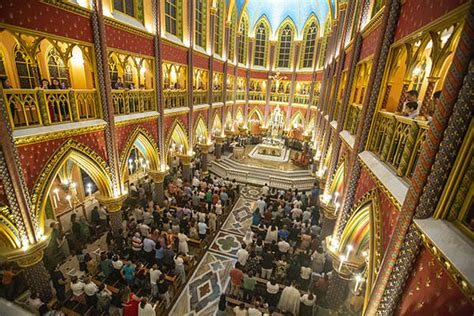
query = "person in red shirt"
{"x": 236, "y": 277}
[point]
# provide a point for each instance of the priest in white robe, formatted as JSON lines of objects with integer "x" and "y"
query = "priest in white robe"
{"x": 290, "y": 300}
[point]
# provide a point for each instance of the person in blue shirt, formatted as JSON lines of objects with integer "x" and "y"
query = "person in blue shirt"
{"x": 128, "y": 273}
{"x": 256, "y": 217}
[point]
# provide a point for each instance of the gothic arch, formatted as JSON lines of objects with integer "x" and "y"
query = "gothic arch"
{"x": 177, "y": 135}
{"x": 93, "y": 164}
{"x": 200, "y": 128}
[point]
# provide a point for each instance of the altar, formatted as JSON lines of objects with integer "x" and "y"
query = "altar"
{"x": 271, "y": 150}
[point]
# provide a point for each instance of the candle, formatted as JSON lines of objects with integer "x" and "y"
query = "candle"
{"x": 56, "y": 193}
{"x": 349, "y": 249}
{"x": 68, "y": 198}
{"x": 358, "y": 280}
{"x": 342, "y": 259}
{"x": 55, "y": 201}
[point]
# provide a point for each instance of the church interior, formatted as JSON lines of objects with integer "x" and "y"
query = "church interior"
{"x": 236, "y": 157}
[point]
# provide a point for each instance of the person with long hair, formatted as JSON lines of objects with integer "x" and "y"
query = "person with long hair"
{"x": 145, "y": 308}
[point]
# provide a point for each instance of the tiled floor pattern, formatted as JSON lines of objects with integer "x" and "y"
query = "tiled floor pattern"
{"x": 201, "y": 294}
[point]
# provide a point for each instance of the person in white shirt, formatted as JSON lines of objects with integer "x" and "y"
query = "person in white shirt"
{"x": 261, "y": 205}
{"x": 144, "y": 229}
{"x": 283, "y": 246}
{"x": 306, "y": 215}
{"x": 240, "y": 310}
{"x": 242, "y": 255}
{"x": 307, "y": 304}
{"x": 154, "y": 275}
{"x": 296, "y": 213}
{"x": 90, "y": 289}
{"x": 219, "y": 208}
{"x": 179, "y": 267}
{"x": 183, "y": 243}
{"x": 265, "y": 190}
{"x": 305, "y": 275}
{"x": 195, "y": 182}
{"x": 77, "y": 288}
{"x": 145, "y": 308}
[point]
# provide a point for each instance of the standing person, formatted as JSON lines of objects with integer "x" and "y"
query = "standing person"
{"x": 212, "y": 221}
{"x": 240, "y": 310}
{"x": 128, "y": 273}
{"x": 154, "y": 276}
{"x": 104, "y": 297}
{"x": 179, "y": 267}
{"x": 236, "y": 277}
{"x": 130, "y": 307}
{"x": 307, "y": 304}
{"x": 242, "y": 255}
{"x": 149, "y": 249}
{"x": 163, "y": 290}
{"x": 146, "y": 309}
{"x": 315, "y": 191}
{"x": 267, "y": 263}
{"x": 183, "y": 243}
{"x": 137, "y": 245}
{"x": 290, "y": 300}
{"x": 202, "y": 229}
{"x": 77, "y": 288}
{"x": 249, "y": 284}
{"x": 272, "y": 292}
{"x": 59, "y": 283}
{"x": 221, "y": 311}
{"x": 90, "y": 289}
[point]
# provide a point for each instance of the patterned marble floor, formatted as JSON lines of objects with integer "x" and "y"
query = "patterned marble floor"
{"x": 211, "y": 277}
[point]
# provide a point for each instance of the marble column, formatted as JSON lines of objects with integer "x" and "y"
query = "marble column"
{"x": 218, "y": 147}
{"x": 205, "y": 158}
{"x": 403, "y": 95}
{"x": 425, "y": 106}
{"x": 271, "y": 57}
{"x": 337, "y": 291}
{"x": 37, "y": 276}
{"x": 186, "y": 166}
{"x": 158, "y": 178}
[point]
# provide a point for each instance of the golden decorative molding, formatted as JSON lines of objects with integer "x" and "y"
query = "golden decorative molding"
{"x": 157, "y": 176}
{"x": 30, "y": 257}
{"x": 173, "y": 43}
{"x": 112, "y": 204}
{"x": 453, "y": 273}
{"x": 33, "y": 139}
{"x": 373, "y": 23}
{"x": 380, "y": 185}
{"x": 70, "y": 7}
{"x": 137, "y": 120}
{"x": 183, "y": 111}
{"x": 127, "y": 28}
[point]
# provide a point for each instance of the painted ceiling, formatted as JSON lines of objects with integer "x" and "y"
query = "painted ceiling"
{"x": 276, "y": 11}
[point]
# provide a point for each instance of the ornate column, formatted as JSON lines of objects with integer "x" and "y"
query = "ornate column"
{"x": 224, "y": 75}
{"x": 388, "y": 88}
{"x": 403, "y": 96}
{"x": 296, "y": 48}
{"x": 313, "y": 81}
{"x": 247, "y": 80}
{"x": 425, "y": 106}
{"x": 236, "y": 68}
{"x": 186, "y": 164}
{"x": 212, "y": 19}
{"x": 218, "y": 149}
{"x": 105, "y": 90}
{"x": 205, "y": 158}
{"x": 450, "y": 123}
{"x": 271, "y": 57}
{"x": 114, "y": 208}
{"x": 158, "y": 178}
{"x": 190, "y": 73}
{"x": 388, "y": 26}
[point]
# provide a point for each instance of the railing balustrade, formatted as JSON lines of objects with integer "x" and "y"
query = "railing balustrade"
{"x": 200, "y": 97}
{"x": 315, "y": 100}
{"x": 229, "y": 95}
{"x": 240, "y": 95}
{"x": 133, "y": 101}
{"x": 175, "y": 98}
{"x": 257, "y": 95}
{"x": 301, "y": 99}
{"x": 397, "y": 140}
{"x": 216, "y": 96}
{"x": 87, "y": 103}
{"x": 279, "y": 97}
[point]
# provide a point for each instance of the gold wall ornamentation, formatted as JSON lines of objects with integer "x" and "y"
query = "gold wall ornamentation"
{"x": 33, "y": 139}
{"x": 137, "y": 120}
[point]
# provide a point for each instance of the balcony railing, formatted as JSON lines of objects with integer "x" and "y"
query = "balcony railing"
{"x": 397, "y": 140}
{"x": 301, "y": 99}
{"x": 133, "y": 101}
{"x": 200, "y": 97}
{"x": 315, "y": 100}
{"x": 352, "y": 118}
{"x": 279, "y": 97}
{"x": 175, "y": 98}
{"x": 216, "y": 96}
{"x": 229, "y": 95}
{"x": 257, "y": 95}
{"x": 240, "y": 95}
{"x": 38, "y": 107}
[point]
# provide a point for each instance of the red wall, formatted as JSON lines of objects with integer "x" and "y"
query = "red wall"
{"x": 200, "y": 61}
{"x": 304, "y": 76}
{"x": 369, "y": 44}
{"x": 417, "y": 13}
{"x": 174, "y": 53}
{"x": 35, "y": 156}
{"x": 430, "y": 291}
{"x": 218, "y": 66}
{"x": 123, "y": 40}
{"x": 123, "y": 132}
{"x": 241, "y": 72}
{"x": 41, "y": 17}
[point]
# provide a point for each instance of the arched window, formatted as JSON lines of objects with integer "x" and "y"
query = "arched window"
{"x": 244, "y": 31}
{"x": 200, "y": 20}
{"x": 24, "y": 67}
{"x": 232, "y": 35}
{"x": 173, "y": 17}
{"x": 311, "y": 34}
{"x": 113, "y": 71}
{"x": 218, "y": 26}
{"x": 260, "y": 45}
{"x": 56, "y": 67}
{"x": 284, "y": 52}
{"x": 126, "y": 6}
{"x": 128, "y": 75}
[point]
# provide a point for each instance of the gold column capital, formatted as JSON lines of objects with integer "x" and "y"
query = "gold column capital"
{"x": 205, "y": 148}
{"x": 112, "y": 204}
{"x": 219, "y": 139}
{"x": 158, "y": 176}
{"x": 28, "y": 257}
{"x": 186, "y": 159}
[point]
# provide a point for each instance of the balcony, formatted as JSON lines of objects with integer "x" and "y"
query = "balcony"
{"x": 257, "y": 95}
{"x": 397, "y": 141}
{"x": 217, "y": 96}
{"x": 200, "y": 97}
{"x": 301, "y": 99}
{"x": 38, "y": 107}
{"x": 133, "y": 101}
{"x": 352, "y": 118}
{"x": 175, "y": 98}
{"x": 279, "y": 97}
{"x": 315, "y": 100}
{"x": 229, "y": 95}
{"x": 240, "y": 95}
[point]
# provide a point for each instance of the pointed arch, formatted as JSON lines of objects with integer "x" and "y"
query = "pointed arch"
{"x": 239, "y": 116}
{"x": 145, "y": 144}
{"x": 255, "y": 112}
{"x": 262, "y": 32}
{"x": 244, "y": 33}
{"x": 337, "y": 183}
{"x": 200, "y": 129}
{"x": 216, "y": 123}
{"x": 177, "y": 136}
{"x": 228, "y": 119}
{"x": 310, "y": 36}
{"x": 297, "y": 117}
{"x": 10, "y": 237}
{"x": 89, "y": 161}
{"x": 286, "y": 34}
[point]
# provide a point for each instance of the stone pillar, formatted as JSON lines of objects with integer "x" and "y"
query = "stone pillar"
{"x": 212, "y": 18}
{"x": 37, "y": 277}
{"x": 337, "y": 291}
{"x": 158, "y": 178}
{"x": 425, "y": 106}
{"x": 403, "y": 96}
{"x": 113, "y": 206}
{"x": 218, "y": 148}
{"x": 271, "y": 57}
{"x": 205, "y": 158}
{"x": 186, "y": 164}
{"x": 388, "y": 88}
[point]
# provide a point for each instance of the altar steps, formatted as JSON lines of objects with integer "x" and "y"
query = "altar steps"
{"x": 280, "y": 179}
